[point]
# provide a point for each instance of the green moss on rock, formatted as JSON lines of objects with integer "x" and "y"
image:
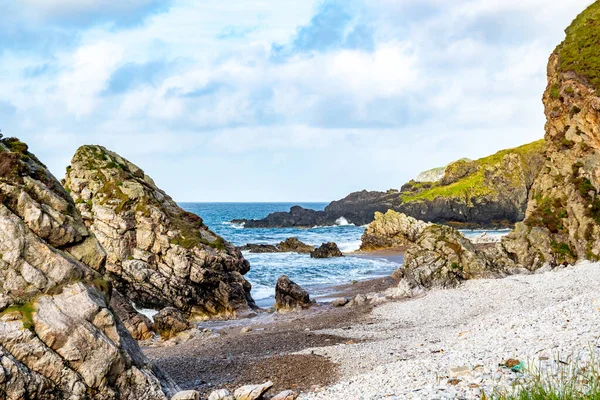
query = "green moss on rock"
{"x": 580, "y": 51}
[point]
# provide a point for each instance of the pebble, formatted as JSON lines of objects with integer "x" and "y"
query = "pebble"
{"x": 246, "y": 329}
{"x": 396, "y": 354}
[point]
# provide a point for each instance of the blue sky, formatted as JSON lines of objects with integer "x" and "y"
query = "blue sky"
{"x": 269, "y": 100}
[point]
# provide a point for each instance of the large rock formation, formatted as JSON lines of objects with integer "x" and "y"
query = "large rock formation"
{"x": 326, "y": 250}
{"x": 59, "y": 338}
{"x": 391, "y": 230}
{"x": 158, "y": 254}
{"x": 436, "y": 255}
{"x": 563, "y": 215}
{"x": 489, "y": 192}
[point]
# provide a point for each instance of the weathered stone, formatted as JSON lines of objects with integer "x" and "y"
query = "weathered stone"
{"x": 290, "y": 245}
{"x": 341, "y": 302}
{"x": 290, "y": 296}
{"x": 158, "y": 254}
{"x": 187, "y": 395}
{"x": 221, "y": 394}
{"x": 59, "y": 338}
{"x": 169, "y": 322}
{"x": 327, "y": 250}
{"x": 252, "y": 392}
{"x": 286, "y": 395}
{"x": 391, "y": 230}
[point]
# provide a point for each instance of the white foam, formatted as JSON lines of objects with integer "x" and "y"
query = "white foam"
{"x": 349, "y": 247}
{"x": 260, "y": 292}
{"x": 148, "y": 312}
{"x": 341, "y": 221}
{"x": 234, "y": 225}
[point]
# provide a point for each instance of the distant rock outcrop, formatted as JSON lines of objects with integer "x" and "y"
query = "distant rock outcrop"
{"x": 158, "y": 254}
{"x": 562, "y": 223}
{"x": 289, "y": 245}
{"x": 435, "y": 174}
{"x": 326, "y": 250}
{"x": 391, "y": 230}
{"x": 290, "y": 296}
{"x": 489, "y": 192}
{"x": 59, "y": 338}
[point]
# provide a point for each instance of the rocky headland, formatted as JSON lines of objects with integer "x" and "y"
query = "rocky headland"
{"x": 290, "y": 245}
{"x": 158, "y": 255}
{"x": 490, "y": 192}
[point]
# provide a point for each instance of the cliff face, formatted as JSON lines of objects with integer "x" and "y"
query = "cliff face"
{"x": 563, "y": 214}
{"x": 59, "y": 338}
{"x": 158, "y": 254}
{"x": 489, "y": 192}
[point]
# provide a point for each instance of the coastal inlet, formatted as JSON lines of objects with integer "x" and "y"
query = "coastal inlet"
{"x": 318, "y": 276}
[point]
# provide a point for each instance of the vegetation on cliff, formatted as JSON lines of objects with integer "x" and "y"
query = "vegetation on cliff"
{"x": 579, "y": 52}
{"x": 469, "y": 179}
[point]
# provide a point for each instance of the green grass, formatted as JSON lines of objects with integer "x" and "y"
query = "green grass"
{"x": 573, "y": 381}
{"x": 580, "y": 52}
{"x": 474, "y": 184}
{"x": 26, "y": 310}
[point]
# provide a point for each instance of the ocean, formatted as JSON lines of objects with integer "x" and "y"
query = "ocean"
{"x": 317, "y": 276}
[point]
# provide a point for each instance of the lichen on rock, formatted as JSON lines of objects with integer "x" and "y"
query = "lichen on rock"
{"x": 59, "y": 338}
{"x": 158, "y": 254}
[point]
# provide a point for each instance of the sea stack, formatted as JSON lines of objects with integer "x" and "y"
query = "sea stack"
{"x": 59, "y": 338}
{"x": 158, "y": 255}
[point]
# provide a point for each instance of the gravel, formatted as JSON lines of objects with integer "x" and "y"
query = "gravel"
{"x": 450, "y": 343}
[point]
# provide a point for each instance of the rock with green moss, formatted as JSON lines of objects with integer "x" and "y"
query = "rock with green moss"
{"x": 158, "y": 254}
{"x": 562, "y": 223}
{"x": 59, "y": 337}
{"x": 489, "y": 192}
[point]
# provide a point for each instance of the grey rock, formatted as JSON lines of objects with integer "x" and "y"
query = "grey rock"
{"x": 252, "y": 392}
{"x": 326, "y": 250}
{"x": 290, "y": 296}
{"x": 169, "y": 322}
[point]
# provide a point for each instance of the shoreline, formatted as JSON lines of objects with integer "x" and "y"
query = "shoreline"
{"x": 221, "y": 354}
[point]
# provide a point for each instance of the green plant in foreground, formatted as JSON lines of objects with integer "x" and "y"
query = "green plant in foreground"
{"x": 568, "y": 381}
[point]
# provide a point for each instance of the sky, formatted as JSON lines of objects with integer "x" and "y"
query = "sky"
{"x": 272, "y": 100}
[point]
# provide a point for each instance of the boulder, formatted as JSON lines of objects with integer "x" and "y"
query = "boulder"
{"x": 290, "y": 296}
{"x": 169, "y": 322}
{"x": 286, "y": 395}
{"x": 294, "y": 245}
{"x": 252, "y": 392}
{"x": 158, "y": 255}
{"x": 187, "y": 395}
{"x": 340, "y": 302}
{"x": 327, "y": 250}
{"x": 221, "y": 394}
{"x": 260, "y": 248}
{"x": 59, "y": 337}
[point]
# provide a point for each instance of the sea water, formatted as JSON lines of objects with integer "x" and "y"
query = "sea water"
{"x": 318, "y": 276}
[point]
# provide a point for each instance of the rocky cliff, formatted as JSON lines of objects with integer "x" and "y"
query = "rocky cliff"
{"x": 563, "y": 215}
{"x": 158, "y": 254}
{"x": 489, "y": 192}
{"x": 59, "y": 338}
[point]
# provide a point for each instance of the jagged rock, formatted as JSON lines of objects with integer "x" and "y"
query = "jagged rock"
{"x": 327, "y": 250}
{"x": 252, "y": 392}
{"x": 290, "y": 296}
{"x": 296, "y": 217}
{"x": 286, "y": 395}
{"x": 158, "y": 254}
{"x": 391, "y": 230}
{"x": 59, "y": 338}
{"x": 187, "y": 395}
{"x": 562, "y": 222}
{"x": 169, "y": 322}
{"x": 442, "y": 257}
{"x": 140, "y": 326}
{"x": 290, "y": 245}
{"x": 221, "y": 394}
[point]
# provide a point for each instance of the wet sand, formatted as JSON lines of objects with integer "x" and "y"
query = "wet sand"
{"x": 224, "y": 357}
